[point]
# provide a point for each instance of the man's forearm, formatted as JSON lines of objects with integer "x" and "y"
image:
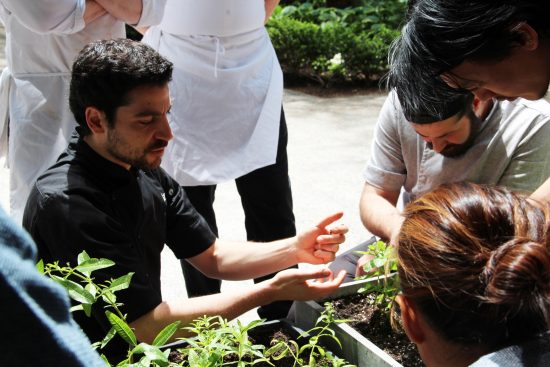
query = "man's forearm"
{"x": 128, "y": 11}
{"x": 246, "y": 260}
{"x": 270, "y": 5}
{"x": 291, "y": 284}
{"x": 379, "y": 215}
{"x": 228, "y": 305}
{"x": 93, "y": 11}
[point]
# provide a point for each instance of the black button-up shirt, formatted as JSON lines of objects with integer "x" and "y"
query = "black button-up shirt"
{"x": 86, "y": 202}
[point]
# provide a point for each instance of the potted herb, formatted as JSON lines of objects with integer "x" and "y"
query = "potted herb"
{"x": 366, "y": 304}
{"x": 274, "y": 343}
{"x": 217, "y": 342}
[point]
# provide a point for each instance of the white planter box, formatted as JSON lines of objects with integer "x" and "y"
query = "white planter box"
{"x": 357, "y": 349}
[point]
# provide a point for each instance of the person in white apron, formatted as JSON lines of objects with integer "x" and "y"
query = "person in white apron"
{"x": 227, "y": 118}
{"x": 42, "y": 39}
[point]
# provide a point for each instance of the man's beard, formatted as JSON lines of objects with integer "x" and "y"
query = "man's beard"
{"x": 134, "y": 157}
{"x": 458, "y": 150}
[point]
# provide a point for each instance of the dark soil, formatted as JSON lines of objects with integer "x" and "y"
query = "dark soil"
{"x": 375, "y": 325}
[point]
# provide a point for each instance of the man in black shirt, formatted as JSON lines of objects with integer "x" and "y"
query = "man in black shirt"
{"x": 107, "y": 195}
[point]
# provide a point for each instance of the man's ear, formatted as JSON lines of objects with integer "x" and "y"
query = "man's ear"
{"x": 96, "y": 120}
{"x": 410, "y": 319}
{"x": 530, "y": 37}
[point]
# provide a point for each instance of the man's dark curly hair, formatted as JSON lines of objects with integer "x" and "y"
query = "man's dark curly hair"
{"x": 104, "y": 72}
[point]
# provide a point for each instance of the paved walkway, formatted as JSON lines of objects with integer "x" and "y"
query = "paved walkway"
{"x": 329, "y": 142}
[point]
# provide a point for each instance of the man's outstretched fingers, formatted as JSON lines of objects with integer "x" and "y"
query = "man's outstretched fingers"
{"x": 330, "y": 219}
{"x": 330, "y": 283}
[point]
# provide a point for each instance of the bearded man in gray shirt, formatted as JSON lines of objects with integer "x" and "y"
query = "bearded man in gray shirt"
{"x": 455, "y": 137}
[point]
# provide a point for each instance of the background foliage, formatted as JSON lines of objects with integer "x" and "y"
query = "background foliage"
{"x": 335, "y": 41}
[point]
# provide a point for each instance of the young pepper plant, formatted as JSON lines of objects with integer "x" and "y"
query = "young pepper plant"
{"x": 383, "y": 265}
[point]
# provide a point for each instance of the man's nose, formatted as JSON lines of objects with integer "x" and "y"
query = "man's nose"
{"x": 165, "y": 131}
{"x": 437, "y": 144}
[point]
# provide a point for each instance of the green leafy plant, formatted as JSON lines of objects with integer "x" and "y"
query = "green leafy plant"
{"x": 220, "y": 343}
{"x": 383, "y": 264}
{"x": 83, "y": 289}
{"x": 307, "y": 36}
{"x": 216, "y": 342}
{"x": 311, "y": 352}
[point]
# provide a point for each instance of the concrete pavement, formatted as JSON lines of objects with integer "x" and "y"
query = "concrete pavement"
{"x": 329, "y": 143}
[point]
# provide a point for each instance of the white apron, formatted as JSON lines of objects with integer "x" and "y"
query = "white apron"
{"x": 226, "y": 89}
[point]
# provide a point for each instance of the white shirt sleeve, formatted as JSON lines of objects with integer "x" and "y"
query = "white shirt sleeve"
{"x": 48, "y": 16}
{"x": 151, "y": 13}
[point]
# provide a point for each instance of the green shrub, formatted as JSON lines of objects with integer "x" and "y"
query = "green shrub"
{"x": 329, "y": 44}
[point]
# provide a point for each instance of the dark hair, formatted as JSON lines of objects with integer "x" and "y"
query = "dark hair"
{"x": 476, "y": 262}
{"x": 445, "y": 33}
{"x": 104, "y": 72}
{"x": 423, "y": 98}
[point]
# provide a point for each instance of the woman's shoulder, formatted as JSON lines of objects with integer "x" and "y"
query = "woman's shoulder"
{"x": 534, "y": 353}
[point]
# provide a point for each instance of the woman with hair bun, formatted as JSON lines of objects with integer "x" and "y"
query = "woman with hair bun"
{"x": 474, "y": 267}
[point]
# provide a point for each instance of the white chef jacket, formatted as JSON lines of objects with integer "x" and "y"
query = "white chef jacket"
{"x": 226, "y": 91}
{"x": 43, "y": 38}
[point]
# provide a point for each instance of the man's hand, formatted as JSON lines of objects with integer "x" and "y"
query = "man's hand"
{"x": 319, "y": 244}
{"x": 360, "y": 268}
{"x": 304, "y": 284}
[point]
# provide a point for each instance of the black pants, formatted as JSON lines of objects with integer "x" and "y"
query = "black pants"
{"x": 266, "y": 198}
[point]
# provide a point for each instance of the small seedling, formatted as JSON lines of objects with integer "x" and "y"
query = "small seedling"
{"x": 312, "y": 353}
{"x": 384, "y": 266}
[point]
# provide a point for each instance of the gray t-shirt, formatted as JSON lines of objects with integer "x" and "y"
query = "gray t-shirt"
{"x": 512, "y": 149}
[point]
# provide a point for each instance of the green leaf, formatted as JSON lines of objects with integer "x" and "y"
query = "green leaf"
{"x": 83, "y": 256}
{"x": 110, "y": 334}
{"x": 335, "y": 338}
{"x": 40, "y": 266}
{"x": 278, "y": 351}
{"x": 122, "y": 328}
{"x": 166, "y": 333}
{"x": 108, "y": 296}
{"x": 92, "y": 288}
{"x": 193, "y": 358}
{"x": 379, "y": 262}
{"x": 152, "y": 353}
{"x": 78, "y": 307}
{"x": 105, "y": 360}
{"x": 121, "y": 283}
{"x": 75, "y": 290}
{"x": 87, "y": 309}
{"x": 252, "y": 324}
{"x": 91, "y": 265}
